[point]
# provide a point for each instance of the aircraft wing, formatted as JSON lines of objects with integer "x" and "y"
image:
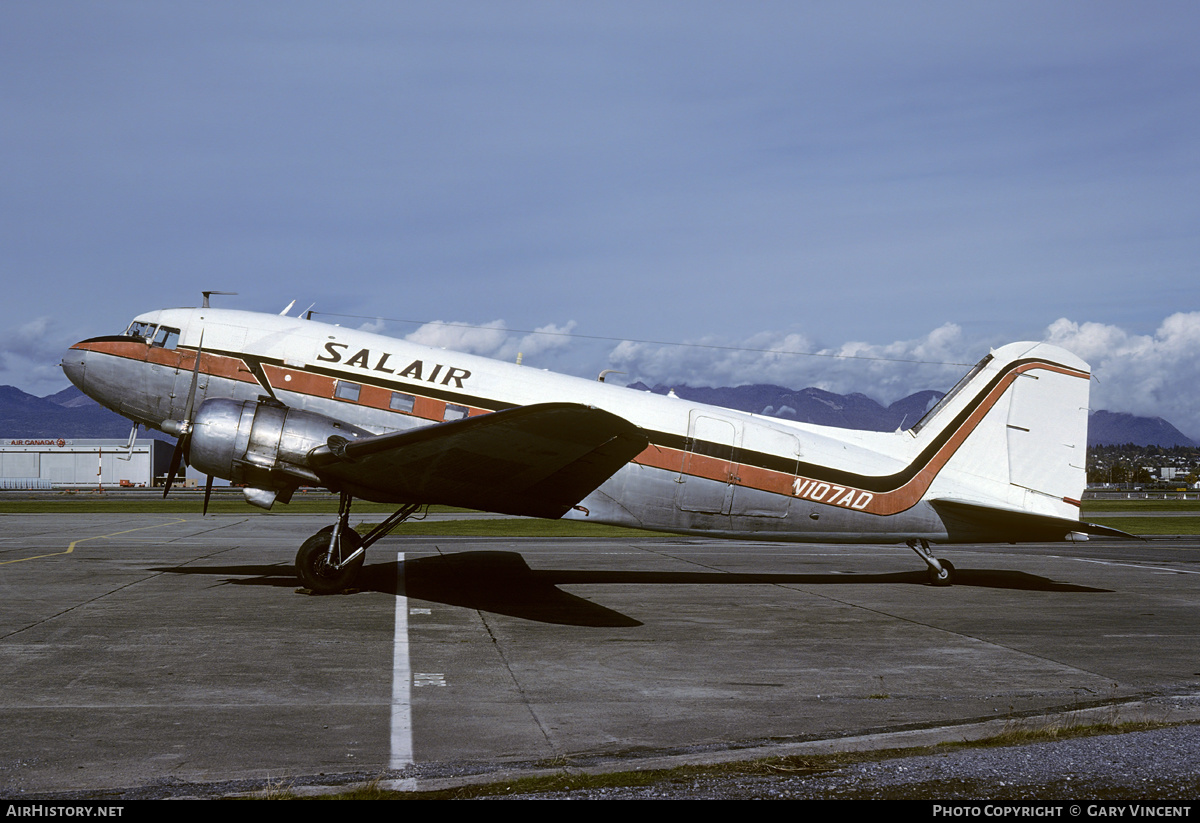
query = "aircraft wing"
{"x": 537, "y": 460}
{"x": 968, "y": 522}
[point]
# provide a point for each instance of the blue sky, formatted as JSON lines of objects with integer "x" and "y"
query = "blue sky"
{"x": 903, "y": 180}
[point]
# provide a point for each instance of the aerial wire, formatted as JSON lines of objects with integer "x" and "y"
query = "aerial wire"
{"x": 647, "y": 342}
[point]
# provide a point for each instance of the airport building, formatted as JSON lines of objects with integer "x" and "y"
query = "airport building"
{"x": 50, "y": 463}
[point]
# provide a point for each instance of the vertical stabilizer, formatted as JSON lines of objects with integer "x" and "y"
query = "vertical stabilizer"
{"x": 1019, "y": 420}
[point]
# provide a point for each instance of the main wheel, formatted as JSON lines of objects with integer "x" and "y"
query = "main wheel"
{"x": 946, "y": 578}
{"x": 316, "y": 573}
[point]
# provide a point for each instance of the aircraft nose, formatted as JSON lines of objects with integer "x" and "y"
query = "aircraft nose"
{"x": 73, "y": 365}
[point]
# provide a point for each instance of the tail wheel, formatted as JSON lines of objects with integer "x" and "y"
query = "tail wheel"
{"x": 946, "y": 578}
{"x": 313, "y": 566}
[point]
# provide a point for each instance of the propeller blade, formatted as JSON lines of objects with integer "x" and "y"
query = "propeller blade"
{"x": 176, "y": 459}
{"x": 187, "y": 413}
{"x": 207, "y": 493}
{"x": 185, "y": 430}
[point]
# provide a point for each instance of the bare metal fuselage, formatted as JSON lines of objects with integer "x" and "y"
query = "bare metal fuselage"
{"x": 1000, "y": 442}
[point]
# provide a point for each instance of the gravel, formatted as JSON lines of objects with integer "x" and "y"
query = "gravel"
{"x": 1163, "y": 764}
{"x": 1160, "y": 765}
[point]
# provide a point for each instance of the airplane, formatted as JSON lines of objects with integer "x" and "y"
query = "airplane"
{"x": 274, "y": 403}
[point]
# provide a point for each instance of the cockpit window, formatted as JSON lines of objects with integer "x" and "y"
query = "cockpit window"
{"x": 139, "y": 329}
{"x": 166, "y": 337}
{"x": 160, "y": 336}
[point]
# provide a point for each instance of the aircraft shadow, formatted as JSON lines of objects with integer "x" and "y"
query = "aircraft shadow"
{"x": 502, "y": 582}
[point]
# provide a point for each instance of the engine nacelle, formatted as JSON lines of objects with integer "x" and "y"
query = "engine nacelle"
{"x": 262, "y": 444}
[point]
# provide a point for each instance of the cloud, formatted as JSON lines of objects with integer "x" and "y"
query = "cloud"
{"x": 1149, "y": 375}
{"x": 494, "y": 339}
{"x": 29, "y": 339}
{"x": 483, "y": 339}
{"x": 1154, "y": 375}
{"x": 29, "y": 356}
{"x": 884, "y": 372}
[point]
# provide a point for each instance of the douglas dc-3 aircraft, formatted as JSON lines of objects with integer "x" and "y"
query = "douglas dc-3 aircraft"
{"x": 276, "y": 402}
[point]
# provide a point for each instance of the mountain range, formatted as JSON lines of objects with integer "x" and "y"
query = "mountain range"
{"x": 857, "y": 411}
{"x": 70, "y": 413}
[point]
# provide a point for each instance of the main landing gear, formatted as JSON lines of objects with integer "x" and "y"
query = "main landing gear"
{"x": 329, "y": 561}
{"x": 941, "y": 572}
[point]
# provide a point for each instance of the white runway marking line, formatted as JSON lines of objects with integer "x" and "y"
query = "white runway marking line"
{"x": 402, "y": 747}
{"x": 1136, "y": 566}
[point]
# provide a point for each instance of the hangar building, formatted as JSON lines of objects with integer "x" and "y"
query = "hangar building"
{"x": 48, "y": 462}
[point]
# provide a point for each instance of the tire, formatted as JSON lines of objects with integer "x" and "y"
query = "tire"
{"x": 942, "y": 580}
{"x": 318, "y": 576}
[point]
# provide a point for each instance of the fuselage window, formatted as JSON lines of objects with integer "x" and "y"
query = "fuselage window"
{"x": 346, "y": 390}
{"x": 402, "y": 402}
{"x": 454, "y": 412}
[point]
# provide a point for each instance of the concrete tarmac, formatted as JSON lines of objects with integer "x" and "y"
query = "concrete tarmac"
{"x": 168, "y": 651}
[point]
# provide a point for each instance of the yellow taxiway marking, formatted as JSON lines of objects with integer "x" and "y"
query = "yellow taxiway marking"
{"x": 74, "y": 543}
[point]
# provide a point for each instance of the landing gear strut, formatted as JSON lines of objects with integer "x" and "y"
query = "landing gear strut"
{"x": 329, "y": 561}
{"x": 941, "y": 572}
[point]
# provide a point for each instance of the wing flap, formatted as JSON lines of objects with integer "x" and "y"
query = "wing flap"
{"x": 535, "y": 460}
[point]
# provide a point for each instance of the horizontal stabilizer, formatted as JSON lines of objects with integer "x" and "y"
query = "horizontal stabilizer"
{"x": 968, "y": 522}
{"x": 535, "y": 460}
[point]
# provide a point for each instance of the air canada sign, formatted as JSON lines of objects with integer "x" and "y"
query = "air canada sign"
{"x": 48, "y": 442}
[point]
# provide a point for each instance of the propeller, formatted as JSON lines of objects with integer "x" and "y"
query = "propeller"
{"x": 207, "y": 493}
{"x": 182, "y": 429}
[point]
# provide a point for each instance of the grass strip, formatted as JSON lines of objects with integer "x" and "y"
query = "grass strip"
{"x": 1150, "y": 525}
{"x": 192, "y": 503}
{"x": 1141, "y": 505}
